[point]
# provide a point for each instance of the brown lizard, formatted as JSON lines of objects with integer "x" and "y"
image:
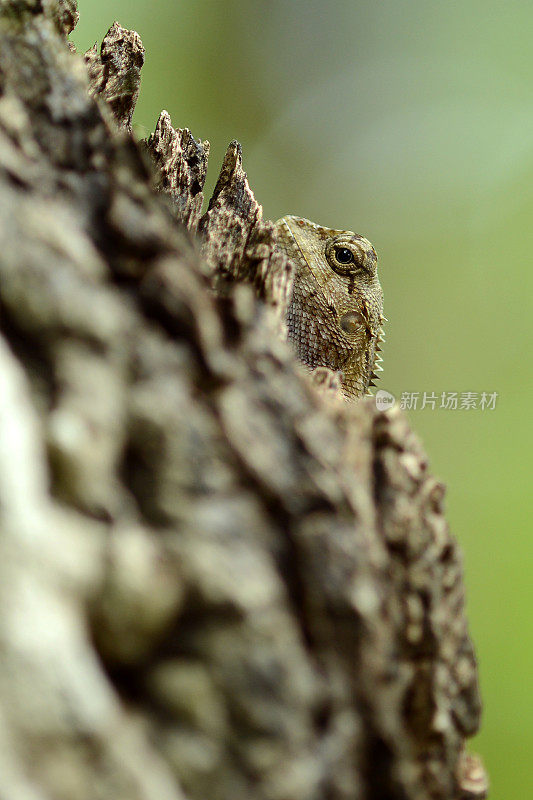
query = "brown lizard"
{"x": 335, "y": 314}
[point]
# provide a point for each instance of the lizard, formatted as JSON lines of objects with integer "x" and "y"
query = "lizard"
{"x": 335, "y": 314}
{"x": 334, "y": 320}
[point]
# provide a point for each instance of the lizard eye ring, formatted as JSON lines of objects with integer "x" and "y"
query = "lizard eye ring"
{"x": 349, "y": 254}
{"x": 346, "y": 256}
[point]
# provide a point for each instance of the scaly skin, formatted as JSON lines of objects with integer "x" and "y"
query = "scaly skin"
{"x": 336, "y": 311}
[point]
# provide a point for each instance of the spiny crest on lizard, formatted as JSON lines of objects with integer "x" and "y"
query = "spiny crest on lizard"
{"x": 335, "y": 314}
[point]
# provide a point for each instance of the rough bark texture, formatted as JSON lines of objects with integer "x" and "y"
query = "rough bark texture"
{"x": 216, "y": 580}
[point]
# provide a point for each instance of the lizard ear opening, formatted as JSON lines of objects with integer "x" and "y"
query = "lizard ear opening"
{"x": 351, "y": 322}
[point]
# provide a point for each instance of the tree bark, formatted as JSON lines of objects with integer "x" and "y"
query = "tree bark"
{"x": 217, "y": 579}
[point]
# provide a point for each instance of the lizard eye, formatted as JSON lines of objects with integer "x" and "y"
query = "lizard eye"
{"x": 351, "y": 322}
{"x": 343, "y": 255}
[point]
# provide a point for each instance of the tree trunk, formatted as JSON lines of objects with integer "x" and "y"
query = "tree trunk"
{"x": 217, "y": 579}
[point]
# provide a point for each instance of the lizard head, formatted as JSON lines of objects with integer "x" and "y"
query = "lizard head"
{"x": 335, "y": 314}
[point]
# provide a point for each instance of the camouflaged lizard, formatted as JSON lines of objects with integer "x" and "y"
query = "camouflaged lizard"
{"x": 334, "y": 320}
{"x": 335, "y": 314}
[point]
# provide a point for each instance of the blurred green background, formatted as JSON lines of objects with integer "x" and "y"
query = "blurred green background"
{"x": 412, "y": 123}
